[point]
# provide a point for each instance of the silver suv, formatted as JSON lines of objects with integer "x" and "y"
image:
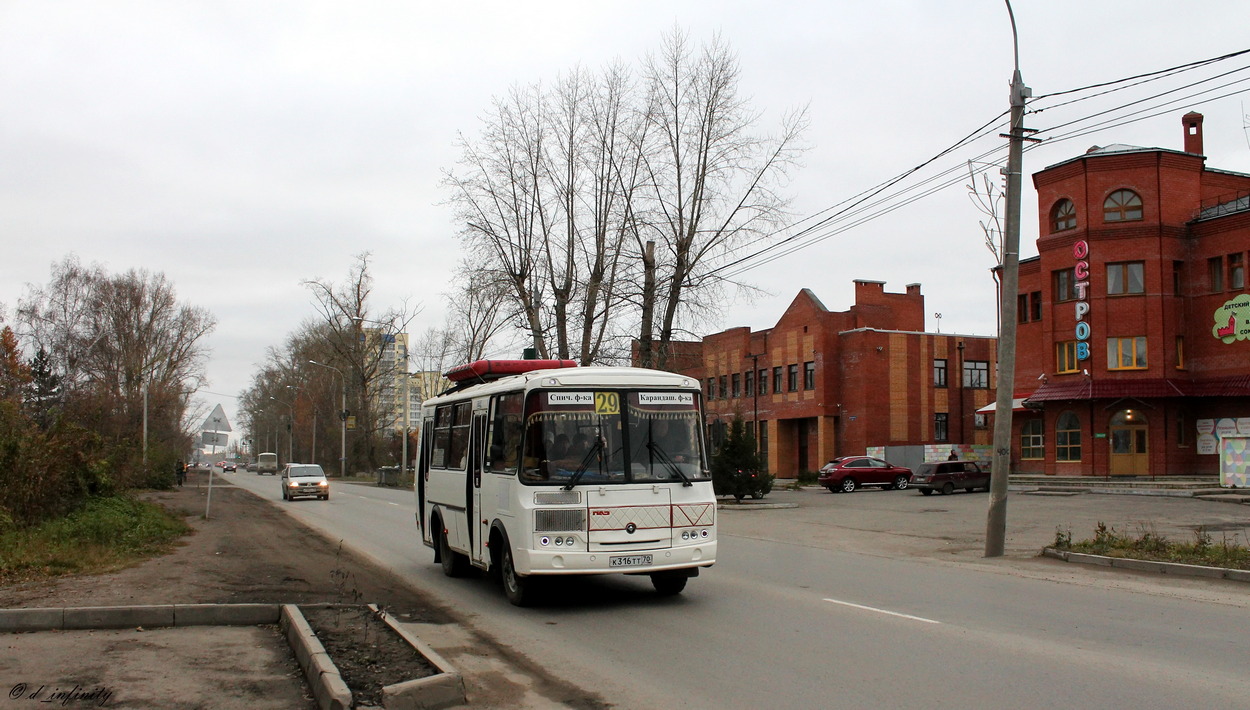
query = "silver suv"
{"x": 304, "y": 479}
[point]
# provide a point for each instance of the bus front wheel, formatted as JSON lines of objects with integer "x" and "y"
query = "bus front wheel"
{"x": 518, "y": 589}
{"x": 668, "y": 584}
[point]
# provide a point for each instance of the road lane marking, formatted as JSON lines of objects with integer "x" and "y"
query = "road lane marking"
{"x": 883, "y": 611}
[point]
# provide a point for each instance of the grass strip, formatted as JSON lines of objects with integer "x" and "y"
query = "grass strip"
{"x": 105, "y": 534}
{"x": 1228, "y": 553}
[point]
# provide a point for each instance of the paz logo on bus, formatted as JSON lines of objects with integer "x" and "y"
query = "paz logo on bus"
{"x": 600, "y": 512}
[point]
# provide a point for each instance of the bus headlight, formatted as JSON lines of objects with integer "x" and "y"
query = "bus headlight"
{"x": 544, "y": 541}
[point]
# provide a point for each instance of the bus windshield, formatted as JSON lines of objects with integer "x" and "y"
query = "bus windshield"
{"x": 612, "y": 436}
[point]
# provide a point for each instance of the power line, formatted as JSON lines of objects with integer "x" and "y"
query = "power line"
{"x": 859, "y": 204}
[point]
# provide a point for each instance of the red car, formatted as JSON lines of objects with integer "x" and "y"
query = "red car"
{"x": 845, "y": 474}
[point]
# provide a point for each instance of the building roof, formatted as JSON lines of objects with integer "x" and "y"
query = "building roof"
{"x": 1114, "y": 149}
{"x": 1240, "y": 204}
{"x": 1087, "y": 388}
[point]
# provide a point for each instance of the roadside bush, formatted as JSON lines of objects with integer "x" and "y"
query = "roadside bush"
{"x": 1149, "y": 545}
{"x": 103, "y": 534}
{"x": 736, "y": 469}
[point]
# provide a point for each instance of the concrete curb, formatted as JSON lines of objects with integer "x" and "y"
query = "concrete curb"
{"x": 445, "y": 689}
{"x": 1173, "y": 568}
{"x": 442, "y": 690}
{"x": 328, "y": 688}
{"x": 123, "y": 617}
{"x": 754, "y": 506}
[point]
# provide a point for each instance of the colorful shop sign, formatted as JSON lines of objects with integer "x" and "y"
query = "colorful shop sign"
{"x": 1080, "y": 250}
{"x": 1232, "y": 320}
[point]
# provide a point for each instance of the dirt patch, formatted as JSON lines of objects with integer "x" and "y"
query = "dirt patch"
{"x": 249, "y": 551}
{"x": 367, "y": 652}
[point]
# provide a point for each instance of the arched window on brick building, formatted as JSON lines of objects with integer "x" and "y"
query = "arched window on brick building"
{"x": 1122, "y": 206}
{"x": 1063, "y": 216}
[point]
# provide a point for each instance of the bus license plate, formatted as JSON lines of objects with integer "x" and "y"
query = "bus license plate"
{"x": 629, "y": 561}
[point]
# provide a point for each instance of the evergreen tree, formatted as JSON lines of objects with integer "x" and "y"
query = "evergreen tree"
{"x": 736, "y": 469}
{"x": 43, "y": 398}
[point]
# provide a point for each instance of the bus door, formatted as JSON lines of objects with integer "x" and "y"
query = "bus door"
{"x": 473, "y": 482}
{"x": 423, "y": 471}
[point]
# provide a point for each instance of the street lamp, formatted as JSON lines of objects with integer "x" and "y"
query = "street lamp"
{"x": 290, "y": 430}
{"x": 342, "y": 417}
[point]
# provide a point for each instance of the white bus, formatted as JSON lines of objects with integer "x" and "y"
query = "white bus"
{"x": 566, "y": 470}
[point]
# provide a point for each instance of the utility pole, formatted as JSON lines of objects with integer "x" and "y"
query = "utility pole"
{"x": 996, "y": 520}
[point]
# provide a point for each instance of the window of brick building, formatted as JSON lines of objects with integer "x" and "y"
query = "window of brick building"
{"x": 724, "y": 387}
{"x": 711, "y": 388}
{"x": 1215, "y": 273}
{"x": 1063, "y": 216}
{"x": 809, "y": 375}
{"x": 977, "y": 374}
{"x": 980, "y": 420}
{"x": 735, "y": 385}
{"x": 748, "y": 384}
{"x": 1122, "y": 206}
{"x": 792, "y": 378}
{"x": 762, "y": 378}
{"x": 1180, "y": 352}
{"x": 1065, "y": 357}
{"x": 1236, "y": 271}
{"x": 1178, "y": 270}
{"x": 1068, "y": 437}
{"x": 779, "y": 384}
{"x": 939, "y": 372}
{"x": 1065, "y": 285}
{"x": 1031, "y": 441}
{"x": 941, "y": 427}
{"x": 1126, "y": 353}
{"x": 1125, "y": 278}
{"x": 1029, "y": 307}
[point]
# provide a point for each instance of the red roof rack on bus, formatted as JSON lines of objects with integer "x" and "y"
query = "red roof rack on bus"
{"x": 488, "y": 370}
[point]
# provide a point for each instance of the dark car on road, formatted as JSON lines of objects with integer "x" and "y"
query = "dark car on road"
{"x": 946, "y": 476}
{"x": 845, "y": 474}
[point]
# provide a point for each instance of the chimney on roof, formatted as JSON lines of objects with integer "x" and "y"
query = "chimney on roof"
{"x": 1193, "y": 132}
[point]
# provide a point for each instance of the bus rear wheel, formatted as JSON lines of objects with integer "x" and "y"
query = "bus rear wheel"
{"x": 454, "y": 563}
{"x": 668, "y": 584}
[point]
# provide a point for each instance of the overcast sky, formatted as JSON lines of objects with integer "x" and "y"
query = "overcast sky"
{"x": 243, "y": 147}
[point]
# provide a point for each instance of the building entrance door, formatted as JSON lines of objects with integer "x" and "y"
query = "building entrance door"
{"x": 1129, "y": 445}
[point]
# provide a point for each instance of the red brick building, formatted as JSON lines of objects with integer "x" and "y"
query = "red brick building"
{"x": 1134, "y": 318}
{"x": 823, "y": 384}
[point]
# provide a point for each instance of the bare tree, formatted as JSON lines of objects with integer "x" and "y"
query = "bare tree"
{"x": 987, "y": 197}
{"x": 713, "y": 184}
{"x": 605, "y": 203}
{"x": 362, "y": 346}
{"x": 124, "y": 338}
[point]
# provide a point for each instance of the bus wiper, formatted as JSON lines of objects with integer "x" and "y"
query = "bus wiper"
{"x": 665, "y": 459}
{"x": 581, "y": 469}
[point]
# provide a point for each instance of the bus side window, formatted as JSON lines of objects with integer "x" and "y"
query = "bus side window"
{"x": 504, "y": 447}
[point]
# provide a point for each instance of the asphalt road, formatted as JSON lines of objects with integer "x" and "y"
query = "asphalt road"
{"x": 868, "y": 600}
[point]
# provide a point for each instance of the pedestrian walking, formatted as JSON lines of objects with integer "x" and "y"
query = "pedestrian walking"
{"x": 181, "y": 472}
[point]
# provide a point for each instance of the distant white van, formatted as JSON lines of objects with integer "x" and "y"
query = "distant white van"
{"x": 267, "y": 464}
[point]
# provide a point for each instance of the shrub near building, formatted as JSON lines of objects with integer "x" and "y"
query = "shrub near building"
{"x": 736, "y": 468}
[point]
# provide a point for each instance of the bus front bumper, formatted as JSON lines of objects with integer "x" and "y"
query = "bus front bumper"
{"x": 556, "y": 562}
